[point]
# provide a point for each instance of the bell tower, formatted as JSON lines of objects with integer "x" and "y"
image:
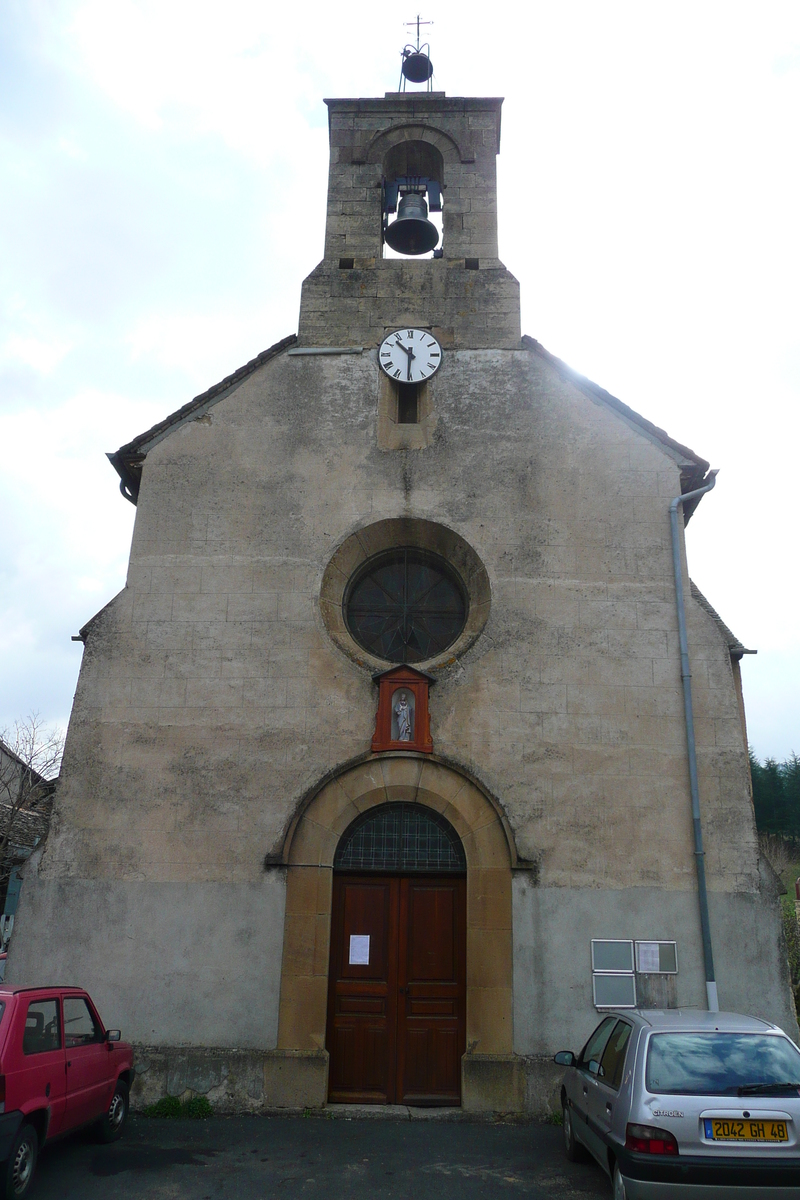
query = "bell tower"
{"x": 412, "y": 150}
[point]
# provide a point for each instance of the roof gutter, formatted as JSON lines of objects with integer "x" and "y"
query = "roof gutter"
{"x": 686, "y": 680}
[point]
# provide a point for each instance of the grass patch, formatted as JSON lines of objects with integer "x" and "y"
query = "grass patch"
{"x": 554, "y": 1118}
{"x": 170, "y": 1108}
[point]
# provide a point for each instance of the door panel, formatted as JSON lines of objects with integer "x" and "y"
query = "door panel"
{"x": 431, "y": 913}
{"x": 362, "y": 996}
{"x": 35, "y": 1061}
{"x": 608, "y": 1084}
{"x": 88, "y": 1084}
{"x": 586, "y": 1101}
{"x": 431, "y": 1032}
{"x": 397, "y": 1022}
{"x": 88, "y": 1063}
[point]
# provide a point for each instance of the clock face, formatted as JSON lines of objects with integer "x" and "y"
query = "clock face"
{"x": 410, "y": 355}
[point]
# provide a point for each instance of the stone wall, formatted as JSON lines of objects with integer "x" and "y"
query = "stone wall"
{"x": 212, "y": 699}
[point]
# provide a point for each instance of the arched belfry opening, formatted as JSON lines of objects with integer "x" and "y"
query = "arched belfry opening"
{"x": 418, "y": 158}
{"x": 412, "y": 198}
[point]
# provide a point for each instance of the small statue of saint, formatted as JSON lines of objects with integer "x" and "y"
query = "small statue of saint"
{"x": 403, "y": 714}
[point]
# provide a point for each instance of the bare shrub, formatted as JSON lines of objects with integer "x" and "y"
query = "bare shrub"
{"x": 780, "y": 852}
{"x": 30, "y": 757}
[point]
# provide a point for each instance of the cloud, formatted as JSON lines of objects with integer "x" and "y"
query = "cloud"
{"x": 42, "y": 356}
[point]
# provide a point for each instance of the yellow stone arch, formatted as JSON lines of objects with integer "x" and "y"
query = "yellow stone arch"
{"x": 308, "y": 852}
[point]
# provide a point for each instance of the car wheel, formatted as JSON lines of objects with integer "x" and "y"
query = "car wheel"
{"x": 572, "y": 1147}
{"x": 113, "y": 1123}
{"x": 620, "y": 1191}
{"x": 21, "y": 1163}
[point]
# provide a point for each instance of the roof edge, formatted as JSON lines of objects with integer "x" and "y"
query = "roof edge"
{"x": 127, "y": 461}
{"x": 697, "y": 466}
{"x": 736, "y": 648}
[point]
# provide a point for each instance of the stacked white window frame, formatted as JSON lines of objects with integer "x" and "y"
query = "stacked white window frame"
{"x": 613, "y": 974}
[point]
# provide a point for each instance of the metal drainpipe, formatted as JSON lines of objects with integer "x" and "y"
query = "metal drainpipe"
{"x": 686, "y": 679}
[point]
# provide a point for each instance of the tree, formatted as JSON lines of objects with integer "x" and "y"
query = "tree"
{"x": 30, "y": 757}
{"x": 776, "y": 795}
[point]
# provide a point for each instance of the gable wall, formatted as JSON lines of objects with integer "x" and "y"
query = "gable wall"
{"x": 212, "y": 697}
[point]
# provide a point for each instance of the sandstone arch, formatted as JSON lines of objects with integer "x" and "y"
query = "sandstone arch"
{"x": 308, "y": 853}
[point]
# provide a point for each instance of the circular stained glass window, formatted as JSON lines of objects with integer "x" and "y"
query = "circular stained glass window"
{"x": 405, "y": 605}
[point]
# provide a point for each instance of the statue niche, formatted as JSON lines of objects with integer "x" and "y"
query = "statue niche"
{"x": 403, "y": 720}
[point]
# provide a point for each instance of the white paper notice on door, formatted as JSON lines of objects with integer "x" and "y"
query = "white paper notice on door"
{"x": 359, "y": 949}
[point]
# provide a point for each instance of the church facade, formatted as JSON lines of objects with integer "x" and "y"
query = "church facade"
{"x": 376, "y": 783}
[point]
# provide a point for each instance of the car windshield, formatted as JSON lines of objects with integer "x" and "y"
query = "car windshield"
{"x": 718, "y": 1064}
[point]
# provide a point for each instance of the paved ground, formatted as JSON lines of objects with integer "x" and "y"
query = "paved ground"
{"x": 258, "y": 1158}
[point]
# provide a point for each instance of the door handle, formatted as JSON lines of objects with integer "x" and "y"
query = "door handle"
{"x": 403, "y": 991}
{"x": 585, "y": 1090}
{"x": 608, "y": 1109}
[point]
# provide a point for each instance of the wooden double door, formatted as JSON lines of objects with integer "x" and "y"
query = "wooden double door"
{"x": 397, "y": 989}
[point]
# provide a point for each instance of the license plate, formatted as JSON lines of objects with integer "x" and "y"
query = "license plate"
{"x": 718, "y": 1129}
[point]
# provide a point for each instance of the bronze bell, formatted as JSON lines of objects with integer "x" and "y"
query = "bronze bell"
{"x": 417, "y": 67}
{"x": 412, "y": 232}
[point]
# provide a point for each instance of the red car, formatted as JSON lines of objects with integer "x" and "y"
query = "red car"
{"x": 60, "y": 1070}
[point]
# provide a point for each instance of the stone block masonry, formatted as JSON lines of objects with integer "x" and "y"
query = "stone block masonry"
{"x": 465, "y": 308}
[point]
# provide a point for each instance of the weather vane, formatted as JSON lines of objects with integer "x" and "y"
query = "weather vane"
{"x": 416, "y": 66}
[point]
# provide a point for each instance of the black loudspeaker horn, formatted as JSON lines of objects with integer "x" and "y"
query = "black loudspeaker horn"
{"x": 412, "y": 232}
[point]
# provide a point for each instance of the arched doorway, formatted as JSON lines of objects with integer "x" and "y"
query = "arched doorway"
{"x": 309, "y": 848}
{"x": 396, "y": 1026}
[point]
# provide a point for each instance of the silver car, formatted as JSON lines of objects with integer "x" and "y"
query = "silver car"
{"x": 678, "y": 1104}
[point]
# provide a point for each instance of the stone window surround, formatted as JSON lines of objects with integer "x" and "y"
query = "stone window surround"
{"x": 391, "y": 434}
{"x": 388, "y": 535}
{"x": 308, "y": 853}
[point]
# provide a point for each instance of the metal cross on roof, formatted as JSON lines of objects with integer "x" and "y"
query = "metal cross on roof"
{"x": 418, "y": 22}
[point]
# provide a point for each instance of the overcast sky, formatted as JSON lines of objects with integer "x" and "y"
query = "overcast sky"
{"x": 163, "y": 168}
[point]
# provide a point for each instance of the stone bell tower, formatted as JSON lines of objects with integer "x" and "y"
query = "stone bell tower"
{"x": 466, "y": 296}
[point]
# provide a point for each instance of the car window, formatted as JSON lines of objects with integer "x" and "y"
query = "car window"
{"x": 718, "y": 1064}
{"x": 42, "y": 1028}
{"x": 613, "y": 1060}
{"x": 593, "y": 1050}
{"x": 80, "y": 1027}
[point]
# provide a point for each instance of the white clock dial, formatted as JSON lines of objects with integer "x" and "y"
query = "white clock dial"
{"x": 410, "y": 355}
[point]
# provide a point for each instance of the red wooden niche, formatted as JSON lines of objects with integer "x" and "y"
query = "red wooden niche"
{"x": 403, "y": 720}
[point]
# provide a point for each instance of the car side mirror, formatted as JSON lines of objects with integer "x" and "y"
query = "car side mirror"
{"x": 113, "y": 1035}
{"x": 564, "y": 1058}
